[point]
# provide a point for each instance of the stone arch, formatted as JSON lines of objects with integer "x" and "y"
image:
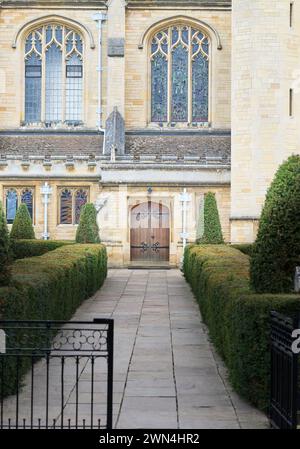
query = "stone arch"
{"x": 53, "y": 18}
{"x": 152, "y": 29}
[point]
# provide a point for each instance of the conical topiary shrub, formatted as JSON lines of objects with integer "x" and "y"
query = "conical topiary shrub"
{"x": 212, "y": 233}
{"x": 88, "y": 230}
{"x": 4, "y": 250}
{"x": 276, "y": 252}
{"x": 22, "y": 226}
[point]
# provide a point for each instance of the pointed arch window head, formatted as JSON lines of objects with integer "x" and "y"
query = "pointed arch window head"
{"x": 180, "y": 75}
{"x": 54, "y": 75}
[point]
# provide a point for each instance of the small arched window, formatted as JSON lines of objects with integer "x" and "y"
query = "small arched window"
{"x": 54, "y": 75}
{"x": 179, "y": 75}
{"x": 11, "y": 205}
{"x": 71, "y": 202}
{"x": 14, "y": 197}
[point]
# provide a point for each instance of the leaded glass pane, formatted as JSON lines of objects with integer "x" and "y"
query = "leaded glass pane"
{"x": 27, "y": 199}
{"x": 66, "y": 207}
{"x": 200, "y": 89}
{"x": 59, "y": 34}
{"x": 80, "y": 201}
{"x": 179, "y": 112}
{"x": 49, "y": 34}
{"x": 159, "y": 94}
{"x": 11, "y": 205}
{"x": 33, "y": 89}
{"x": 74, "y": 86}
{"x": 53, "y": 84}
{"x": 179, "y": 67}
{"x": 45, "y": 45}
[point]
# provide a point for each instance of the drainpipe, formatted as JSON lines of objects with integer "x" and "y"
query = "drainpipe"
{"x": 99, "y": 17}
{"x": 46, "y": 191}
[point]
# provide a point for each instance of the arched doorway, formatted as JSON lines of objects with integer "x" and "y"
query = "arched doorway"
{"x": 150, "y": 233}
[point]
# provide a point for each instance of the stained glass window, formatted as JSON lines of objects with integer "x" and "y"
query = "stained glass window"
{"x": 54, "y": 75}
{"x": 11, "y": 205}
{"x": 71, "y": 201}
{"x": 179, "y": 75}
{"x": 27, "y": 198}
{"x": 14, "y": 196}
{"x": 66, "y": 207}
{"x": 80, "y": 200}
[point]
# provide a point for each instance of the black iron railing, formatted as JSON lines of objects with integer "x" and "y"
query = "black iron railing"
{"x": 56, "y": 374}
{"x": 284, "y": 403}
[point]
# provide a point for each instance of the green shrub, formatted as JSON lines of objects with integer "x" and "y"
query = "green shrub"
{"x": 212, "y": 233}
{"x": 88, "y": 230}
{"x": 276, "y": 252}
{"x": 50, "y": 287}
{"x": 22, "y": 226}
{"x": 238, "y": 320}
{"x": 245, "y": 248}
{"x": 33, "y": 248}
{"x": 4, "y": 250}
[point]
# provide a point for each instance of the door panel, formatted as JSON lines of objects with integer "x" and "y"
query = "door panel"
{"x": 150, "y": 233}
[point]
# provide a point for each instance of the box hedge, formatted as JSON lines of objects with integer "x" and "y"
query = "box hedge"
{"x": 50, "y": 287}
{"x": 32, "y": 248}
{"x": 246, "y": 248}
{"x": 22, "y": 226}
{"x": 5, "y": 251}
{"x": 276, "y": 252}
{"x": 238, "y": 320}
{"x": 212, "y": 232}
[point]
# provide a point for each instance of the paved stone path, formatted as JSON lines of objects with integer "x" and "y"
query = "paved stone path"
{"x": 166, "y": 372}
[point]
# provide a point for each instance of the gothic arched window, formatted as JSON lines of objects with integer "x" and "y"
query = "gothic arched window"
{"x": 179, "y": 75}
{"x": 54, "y": 75}
{"x": 16, "y": 196}
{"x": 71, "y": 201}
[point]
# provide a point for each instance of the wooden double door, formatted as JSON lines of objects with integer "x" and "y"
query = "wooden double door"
{"x": 150, "y": 233}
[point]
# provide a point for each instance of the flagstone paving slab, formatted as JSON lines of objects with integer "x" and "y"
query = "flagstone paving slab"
{"x": 166, "y": 372}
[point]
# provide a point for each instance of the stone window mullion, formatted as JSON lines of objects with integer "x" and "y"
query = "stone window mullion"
{"x": 43, "y": 96}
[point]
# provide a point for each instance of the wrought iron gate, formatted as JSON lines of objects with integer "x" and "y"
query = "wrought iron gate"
{"x": 56, "y": 374}
{"x": 284, "y": 373}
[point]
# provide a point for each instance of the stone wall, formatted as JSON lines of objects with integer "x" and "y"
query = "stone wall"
{"x": 12, "y": 60}
{"x": 138, "y": 21}
{"x": 265, "y": 63}
{"x": 114, "y": 218}
{"x": 125, "y": 80}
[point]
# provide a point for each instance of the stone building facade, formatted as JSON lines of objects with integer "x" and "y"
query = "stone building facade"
{"x": 206, "y": 98}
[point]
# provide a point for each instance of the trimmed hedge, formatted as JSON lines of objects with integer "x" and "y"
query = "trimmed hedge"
{"x": 5, "y": 252}
{"x": 246, "y": 248}
{"x": 212, "y": 233}
{"x": 50, "y": 287}
{"x": 277, "y": 248}
{"x": 88, "y": 230}
{"x": 238, "y": 320}
{"x": 33, "y": 248}
{"x": 22, "y": 226}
